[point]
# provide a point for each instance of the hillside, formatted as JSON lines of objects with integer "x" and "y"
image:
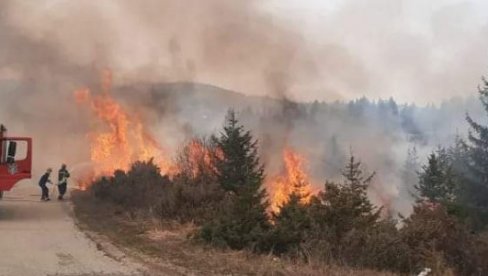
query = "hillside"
{"x": 380, "y": 132}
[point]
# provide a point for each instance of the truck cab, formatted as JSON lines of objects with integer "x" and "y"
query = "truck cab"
{"x": 15, "y": 160}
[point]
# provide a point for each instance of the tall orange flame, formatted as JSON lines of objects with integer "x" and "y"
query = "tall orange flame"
{"x": 118, "y": 137}
{"x": 293, "y": 179}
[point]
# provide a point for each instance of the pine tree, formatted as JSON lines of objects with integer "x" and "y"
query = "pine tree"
{"x": 301, "y": 188}
{"x": 243, "y": 221}
{"x": 238, "y": 166}
{"x": 345, "y": 206}
{"x": 450, "y": 178}
{"x": 358, "y": 184}
{"x": 436, "y": 180}
{"x": 410, "y": 172}
{"x": 459, "y": 154}
{"x": 476, "y": 190}
{"x": 293, "y": 220}
{"x": 291, "y": 225}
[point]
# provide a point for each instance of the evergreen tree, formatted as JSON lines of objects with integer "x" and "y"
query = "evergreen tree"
{"x": 357, "y": 183}
{"x": 243, "y": 221}
{"x": 293, "y": 220}
{"x": 459, "y": 154}
{"x": 300, "y": 188}
{"x": 451, "y": 179}
{"x": 410, "y": 172}
{"x": 238, "y": 164}
{"x": 345, "y": 206}
{"x": 477, "y": 188}
{"x": 436, "y": 180}
{"x": 291, "y": 225}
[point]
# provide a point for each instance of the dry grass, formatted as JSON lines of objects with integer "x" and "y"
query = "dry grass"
{"x": 166, "y": 246}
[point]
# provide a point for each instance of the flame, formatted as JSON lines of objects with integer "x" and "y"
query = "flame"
{"x": 118, "y": 137}
{"x": 294, "y": 179}
{"x": 198, "y": 158}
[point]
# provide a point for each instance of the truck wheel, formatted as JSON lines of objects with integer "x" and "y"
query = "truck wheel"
{"x": 1, "y": 194}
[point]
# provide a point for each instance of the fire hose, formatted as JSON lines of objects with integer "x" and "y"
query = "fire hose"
{"x": 56, "y": 186}
{"x": 53, "y": 193}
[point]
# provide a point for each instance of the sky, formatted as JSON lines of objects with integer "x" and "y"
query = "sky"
{"x": 413, "y": 50}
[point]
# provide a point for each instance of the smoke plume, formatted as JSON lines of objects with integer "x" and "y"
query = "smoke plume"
{"x": 411, "y": 50}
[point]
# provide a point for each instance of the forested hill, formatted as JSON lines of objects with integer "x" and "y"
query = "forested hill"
{"x": 381, "y": 133}
{"x": 193, "y": 102}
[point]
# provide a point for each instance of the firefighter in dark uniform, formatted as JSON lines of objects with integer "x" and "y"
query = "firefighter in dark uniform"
{"x": 63, "y": 175}
{"x": 42, "y": 183}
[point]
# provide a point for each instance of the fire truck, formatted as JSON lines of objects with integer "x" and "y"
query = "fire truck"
{"x": 15, "y": 160}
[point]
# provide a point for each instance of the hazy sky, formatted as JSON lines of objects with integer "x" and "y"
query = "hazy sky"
{"x": 412, "y": 50}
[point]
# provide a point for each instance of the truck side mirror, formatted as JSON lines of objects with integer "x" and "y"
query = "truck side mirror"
{"x": 12, "y": 150}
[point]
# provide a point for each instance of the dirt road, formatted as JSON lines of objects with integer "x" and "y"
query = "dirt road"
{"x": 41, "y": 238}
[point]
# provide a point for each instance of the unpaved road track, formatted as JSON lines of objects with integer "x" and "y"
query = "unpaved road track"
{"x": 40, "y": 238}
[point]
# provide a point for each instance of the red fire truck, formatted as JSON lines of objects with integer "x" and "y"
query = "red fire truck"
{"x": 15, "y": 160}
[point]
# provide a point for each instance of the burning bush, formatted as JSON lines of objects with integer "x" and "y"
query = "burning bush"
{"x": 195, "y": 193}
{"x": 294, "y": 179}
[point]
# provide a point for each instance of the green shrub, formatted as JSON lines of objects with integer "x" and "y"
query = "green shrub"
{"x": 140, "y": 188}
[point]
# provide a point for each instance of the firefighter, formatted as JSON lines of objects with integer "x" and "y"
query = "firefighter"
{"x": 63, "y": 175}
{"x": 42, "y": 183}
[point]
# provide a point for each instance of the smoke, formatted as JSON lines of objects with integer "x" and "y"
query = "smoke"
{"x": 233, "y": 44}
{"x": 411, "y": 50}
{"x": 381, "y": 48}
{"x": 416, "y": 51}
{"x": 51, "y": 48}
